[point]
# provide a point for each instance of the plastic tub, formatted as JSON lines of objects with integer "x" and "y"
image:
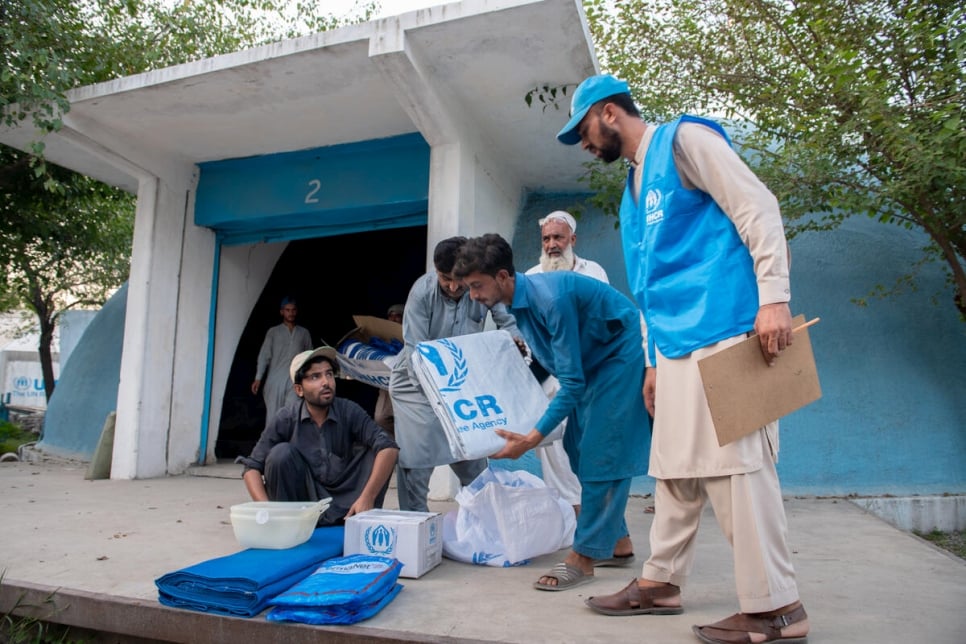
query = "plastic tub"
{"x": 275, "y": 525}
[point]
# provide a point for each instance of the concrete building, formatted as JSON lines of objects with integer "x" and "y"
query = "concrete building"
{"x": 329, "y": 166}
{"x": 375, "y": 140}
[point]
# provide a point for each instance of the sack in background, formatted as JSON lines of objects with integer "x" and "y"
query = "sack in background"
{"x": 505, "y": 518}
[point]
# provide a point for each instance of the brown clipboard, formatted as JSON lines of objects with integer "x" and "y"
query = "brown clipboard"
{"x": 744, "y": 393}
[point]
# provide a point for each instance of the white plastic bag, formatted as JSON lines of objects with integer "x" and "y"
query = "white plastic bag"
{"x": 506, "y": 518}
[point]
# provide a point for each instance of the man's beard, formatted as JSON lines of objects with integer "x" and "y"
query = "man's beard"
{"x": 610, "y": 151}
{"x": 562, "y": 262}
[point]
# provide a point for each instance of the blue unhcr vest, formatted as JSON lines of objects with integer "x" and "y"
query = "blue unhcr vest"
{"x": 688, "y": 269}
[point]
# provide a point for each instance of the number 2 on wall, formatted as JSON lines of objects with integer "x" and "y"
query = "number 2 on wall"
{"x": 315, "y": 185}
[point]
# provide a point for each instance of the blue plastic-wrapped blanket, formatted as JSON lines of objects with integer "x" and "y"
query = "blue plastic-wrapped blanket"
{"x": 344, "y": 590}
{"x": 242, "y": 584}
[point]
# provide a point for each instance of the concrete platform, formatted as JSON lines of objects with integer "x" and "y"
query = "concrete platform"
{"x": 86, "y": 553}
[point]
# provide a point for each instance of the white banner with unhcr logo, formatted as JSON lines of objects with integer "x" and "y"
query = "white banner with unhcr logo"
{"x": 478, "y": 383}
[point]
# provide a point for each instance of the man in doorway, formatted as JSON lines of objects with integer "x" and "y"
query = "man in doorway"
{"x": 321, "y": 446}
{"x": 395, "y": 313}
{"x": 438, "y": 306}
{"x": 558, "y": 235}
{"x": 282, "y": 342}
{"x": 707, "y": 262}
{"x": 588, "y": 335}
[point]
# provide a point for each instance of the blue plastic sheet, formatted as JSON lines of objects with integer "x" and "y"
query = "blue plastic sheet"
{"x": 242, "y": 584}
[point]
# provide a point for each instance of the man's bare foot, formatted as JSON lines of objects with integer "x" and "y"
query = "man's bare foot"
{"x": 672, "y": 601}
{"x": 623, "y": 547}
{"x": 585, "y": 564}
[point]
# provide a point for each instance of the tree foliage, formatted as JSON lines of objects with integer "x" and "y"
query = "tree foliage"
{"x": 71, "y": 252}
{"x": 48, "y": 47}
{"x": 65, "y": 239}
{"x": 843, "y": 107}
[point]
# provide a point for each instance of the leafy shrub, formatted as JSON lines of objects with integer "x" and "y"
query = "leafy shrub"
{"x": 12, "y": 437}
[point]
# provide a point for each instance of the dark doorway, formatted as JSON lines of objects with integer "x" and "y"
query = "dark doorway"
{"x": 333, "y": 278}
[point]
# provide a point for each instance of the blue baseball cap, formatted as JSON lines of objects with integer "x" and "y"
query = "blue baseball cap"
{"x": 589, "y": 92}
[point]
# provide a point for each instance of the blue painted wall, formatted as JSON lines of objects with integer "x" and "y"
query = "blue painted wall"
{"x": 87, "y": 389}
{"x": 892, "y": 417}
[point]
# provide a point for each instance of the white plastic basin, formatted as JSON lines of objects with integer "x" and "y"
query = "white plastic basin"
{"x": 275, "y": 525}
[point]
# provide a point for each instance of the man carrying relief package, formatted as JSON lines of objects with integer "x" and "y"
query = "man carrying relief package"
{"x": 438, "y": 306}
{"x": 588, "y": 335}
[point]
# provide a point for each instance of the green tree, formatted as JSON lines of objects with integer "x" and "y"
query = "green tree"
{"x": 843, "y": 107}
{"x": 65, "y": 239}
{"x": 62, "y": 249}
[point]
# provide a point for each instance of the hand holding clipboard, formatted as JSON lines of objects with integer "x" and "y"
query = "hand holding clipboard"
{"x": 744, "y": 393}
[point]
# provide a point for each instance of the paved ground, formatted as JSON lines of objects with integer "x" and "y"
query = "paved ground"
{"x": 861, "y": 579}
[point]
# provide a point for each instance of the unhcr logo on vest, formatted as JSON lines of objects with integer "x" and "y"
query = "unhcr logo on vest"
{"x": 652, "y": 206}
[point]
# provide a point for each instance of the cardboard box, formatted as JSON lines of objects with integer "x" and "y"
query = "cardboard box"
{"x": 414, "y": 538}
{"x": 372, "y": 372}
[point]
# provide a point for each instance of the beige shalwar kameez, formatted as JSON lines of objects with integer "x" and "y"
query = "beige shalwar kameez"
{"x": 738, "y": 479}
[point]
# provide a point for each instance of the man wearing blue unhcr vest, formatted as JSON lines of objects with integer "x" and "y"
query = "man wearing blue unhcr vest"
{"x": 588, "y": 335}
{"x": 707, "y": 262}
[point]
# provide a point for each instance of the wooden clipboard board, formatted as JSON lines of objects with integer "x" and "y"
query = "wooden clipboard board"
{"x": 745, "y": 394}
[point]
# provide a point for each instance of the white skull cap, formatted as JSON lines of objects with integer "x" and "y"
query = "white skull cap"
{"x": 560, "y": 215}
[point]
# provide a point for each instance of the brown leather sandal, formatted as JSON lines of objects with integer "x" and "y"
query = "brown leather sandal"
{"x": 736, "y": 629}
{"x": 634, "y": 600}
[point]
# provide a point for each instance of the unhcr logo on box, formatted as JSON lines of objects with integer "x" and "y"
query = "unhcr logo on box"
{"x": 380, "y": 539}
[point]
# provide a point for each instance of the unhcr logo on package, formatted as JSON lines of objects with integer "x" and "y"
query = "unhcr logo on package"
{"x": 380, "y": 540}
{"x": 452, "y": 371}
{"x": 457, "y": 373}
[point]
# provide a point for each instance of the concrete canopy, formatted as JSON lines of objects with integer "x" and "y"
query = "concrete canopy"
{"x": 431, "y": 71}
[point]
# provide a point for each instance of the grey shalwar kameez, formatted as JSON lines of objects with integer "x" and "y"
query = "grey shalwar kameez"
{"x": 430, "y": 315}
{"x": 304, "y": 462}
{"x": 281, "y": 344}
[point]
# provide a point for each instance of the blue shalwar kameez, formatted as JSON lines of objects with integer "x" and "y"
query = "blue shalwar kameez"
{"x": 588, "y": 335}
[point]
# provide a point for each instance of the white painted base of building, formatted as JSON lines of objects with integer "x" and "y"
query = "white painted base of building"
{"x": 918, "y": 513}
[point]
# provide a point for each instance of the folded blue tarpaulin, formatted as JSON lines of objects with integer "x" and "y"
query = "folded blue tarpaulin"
{"x": 343, "y": 590}
{"x": 242, "y": 584}
{"x": 319, "y": 615}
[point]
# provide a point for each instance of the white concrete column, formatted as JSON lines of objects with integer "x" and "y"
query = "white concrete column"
{"x": 146, "y": 389}
{"x": 190, "y": 349}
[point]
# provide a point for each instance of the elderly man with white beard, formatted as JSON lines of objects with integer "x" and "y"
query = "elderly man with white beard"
{"x": 558, "y": 235}
{"x": 557, "y": 239}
